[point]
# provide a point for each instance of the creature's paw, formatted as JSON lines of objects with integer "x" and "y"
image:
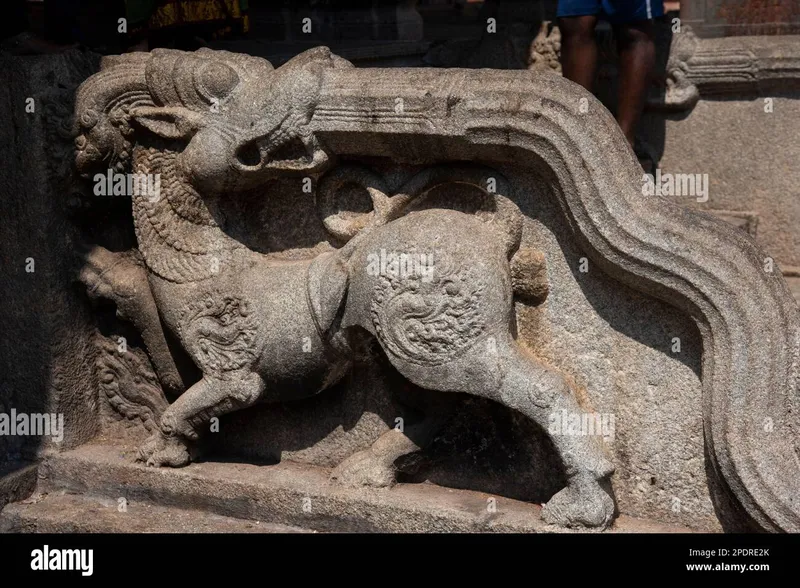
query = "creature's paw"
{"x": 114, "y": 276}
{"x": 160, "y": 450}
{"x": 364, "y": 469}
{"x": 584, "y": 503}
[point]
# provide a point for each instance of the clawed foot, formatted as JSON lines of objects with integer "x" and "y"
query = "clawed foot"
{"x": 160, "y": 450}
{"x": 364, "y": 469}
{"x": 584, "y": 503}
{"x": 114, "y": 276}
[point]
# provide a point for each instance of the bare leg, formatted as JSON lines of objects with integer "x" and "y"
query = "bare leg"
{"x": 637, "y": 56}
{"x": 182, "y": 421}
{"x": 578, "y": 49}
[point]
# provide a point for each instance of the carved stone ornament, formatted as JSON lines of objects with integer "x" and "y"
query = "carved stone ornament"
{"x": 727, "y": 66}
{"x": 433, "y": 280}
{"x": 545, "y": 51}
{"x": 709, "y": 67}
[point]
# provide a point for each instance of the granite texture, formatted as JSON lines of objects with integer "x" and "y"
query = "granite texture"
{"x": 411, "y": 275}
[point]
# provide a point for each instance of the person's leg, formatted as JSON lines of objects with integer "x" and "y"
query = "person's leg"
{"x": 578, "y": 49}
{"x": 637, "y": 54}
{"x": 576, "y": 21}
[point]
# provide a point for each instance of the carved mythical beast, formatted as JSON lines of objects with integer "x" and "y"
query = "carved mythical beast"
{"x": 213, "y": 124}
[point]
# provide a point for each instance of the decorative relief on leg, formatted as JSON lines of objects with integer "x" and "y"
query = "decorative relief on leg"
{"x": 219, "y": 331}
{"x": 430, "y": 318}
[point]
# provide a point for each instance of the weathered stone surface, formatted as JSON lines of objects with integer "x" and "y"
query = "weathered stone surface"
{"x": 743, "y": 67}
{"x": 760, "y": 196}
{"x": 45, "y": 350}
{"x": 17, "y": 482}
{"x": 646, "y": 233}
{"x": 555, "y": 289}
{"x": 719, "y": 91}
{"x": 286, "y": 497}
{"x": 70, "y": 513}
{"x": 737, "y": 90}
{"x": 260, "y": 330}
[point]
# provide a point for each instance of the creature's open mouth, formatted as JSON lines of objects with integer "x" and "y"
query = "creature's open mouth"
{"x": 256, "y": 155}
{"x": 293, "y": 150}
{"x": 289, "y": 154}
{"x": 280, "y": 145}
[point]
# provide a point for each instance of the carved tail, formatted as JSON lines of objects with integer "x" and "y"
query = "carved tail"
{"x": 529, "y": 279}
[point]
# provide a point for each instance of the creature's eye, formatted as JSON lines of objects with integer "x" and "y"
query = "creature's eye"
{"x": 215, "y": 80}
{"x": 89, "y": 118}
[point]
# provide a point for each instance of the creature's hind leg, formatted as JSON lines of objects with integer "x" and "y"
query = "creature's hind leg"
{"x": 375, "y": 466}
{"x": 182, "y": 421}
{"x": 497, "y": 368}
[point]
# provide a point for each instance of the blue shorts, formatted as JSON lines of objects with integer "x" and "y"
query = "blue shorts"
{"x": 614, "y": 11}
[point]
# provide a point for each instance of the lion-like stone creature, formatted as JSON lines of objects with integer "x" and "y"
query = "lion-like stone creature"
{"x": 211, "y": 124}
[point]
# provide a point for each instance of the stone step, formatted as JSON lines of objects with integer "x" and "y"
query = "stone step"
{"x": 62, "y": 512}
{"x": 296, "y": 495}
{"x": 17, "y": 481}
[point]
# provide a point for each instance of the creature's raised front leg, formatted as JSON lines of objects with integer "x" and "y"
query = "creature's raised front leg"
{"x": 122, "y": 278}
{"x": 182, "y": 422}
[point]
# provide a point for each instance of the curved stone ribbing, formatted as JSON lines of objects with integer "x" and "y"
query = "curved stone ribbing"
{"x": 747, "y": 317}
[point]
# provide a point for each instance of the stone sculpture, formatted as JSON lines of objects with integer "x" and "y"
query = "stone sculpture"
{"x": 441, "y": 310}
{"x": 434, "y": 285}
{"x": 545, "y": 50}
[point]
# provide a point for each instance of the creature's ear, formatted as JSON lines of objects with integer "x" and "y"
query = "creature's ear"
{"x": 167, "y": 122}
